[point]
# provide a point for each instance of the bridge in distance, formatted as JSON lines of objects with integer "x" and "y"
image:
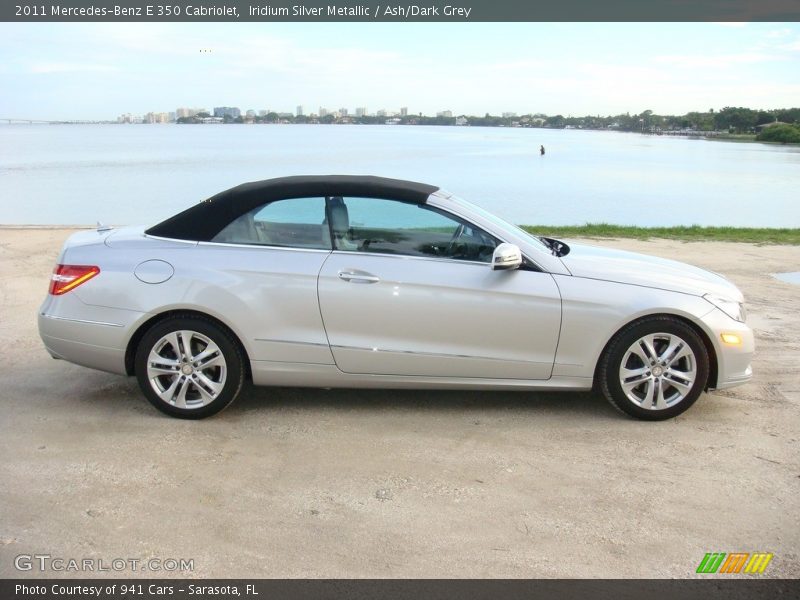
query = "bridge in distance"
{"x": 11, "y": 121}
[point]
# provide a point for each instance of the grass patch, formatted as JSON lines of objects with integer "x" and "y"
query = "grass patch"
{"x": 693, "y": 233}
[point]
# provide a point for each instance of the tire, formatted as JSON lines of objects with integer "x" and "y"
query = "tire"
{"x": 189, "y": 367}
{"x": 654, "y": 369}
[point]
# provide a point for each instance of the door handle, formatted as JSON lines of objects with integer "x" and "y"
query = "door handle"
{"x": 358, "y": 277}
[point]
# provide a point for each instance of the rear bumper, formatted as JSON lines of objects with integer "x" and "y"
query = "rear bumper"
{"x": 91, "y": 336}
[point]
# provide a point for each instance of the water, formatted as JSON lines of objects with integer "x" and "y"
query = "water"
{"x": 120, "y": 174}
{"x": 793, "y": 277}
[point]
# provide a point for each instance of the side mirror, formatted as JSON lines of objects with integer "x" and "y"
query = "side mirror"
{"x": 506, "y": 257}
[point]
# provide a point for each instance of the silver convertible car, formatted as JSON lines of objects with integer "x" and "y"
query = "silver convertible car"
{"x": 350, "y": 281}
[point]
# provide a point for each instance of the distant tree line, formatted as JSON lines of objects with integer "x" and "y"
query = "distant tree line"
{"x": 733, "y": 120}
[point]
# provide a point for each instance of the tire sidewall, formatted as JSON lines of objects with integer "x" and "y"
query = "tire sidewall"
{"x": 230, "y": 351}
{"x": 612, "y": 386}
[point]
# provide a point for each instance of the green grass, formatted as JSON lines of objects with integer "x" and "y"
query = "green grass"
{"x": 693, "y": 233}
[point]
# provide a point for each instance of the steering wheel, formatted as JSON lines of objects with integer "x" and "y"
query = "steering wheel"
{"x": 453, "y": 240}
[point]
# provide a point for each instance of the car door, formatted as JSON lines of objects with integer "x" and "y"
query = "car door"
{"x": 408, "y": 290}
{"x": 269, "y": 259}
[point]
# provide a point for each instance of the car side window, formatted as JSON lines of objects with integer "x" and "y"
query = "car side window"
{"x": 394, "y": 227}
{"x": 292, "y": 223}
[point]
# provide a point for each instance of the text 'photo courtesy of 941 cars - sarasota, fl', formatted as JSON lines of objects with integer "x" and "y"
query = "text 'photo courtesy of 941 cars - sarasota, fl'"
{"x": 355, "y": 281}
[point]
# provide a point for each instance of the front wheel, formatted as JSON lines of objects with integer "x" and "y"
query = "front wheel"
{"x": 654, "y": 369}
{"x": 189, "y": 367}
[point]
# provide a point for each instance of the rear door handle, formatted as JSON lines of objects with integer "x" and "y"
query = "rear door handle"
{"x": 358, "y": 277}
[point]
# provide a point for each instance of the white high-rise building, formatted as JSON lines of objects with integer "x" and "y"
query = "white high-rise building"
{"x": 187, "y": 112}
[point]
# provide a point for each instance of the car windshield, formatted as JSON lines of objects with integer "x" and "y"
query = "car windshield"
{"x": 535, "y": 240}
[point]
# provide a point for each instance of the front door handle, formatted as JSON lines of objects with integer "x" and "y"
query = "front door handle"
{"x": 358, "y": 277}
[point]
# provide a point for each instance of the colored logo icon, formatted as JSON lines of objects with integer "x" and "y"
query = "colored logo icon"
{"x": 735, "y": 562}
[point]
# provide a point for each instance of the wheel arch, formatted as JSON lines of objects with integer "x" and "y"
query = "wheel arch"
{"x": 136, "y": 338}
{"x": 696, "y": 327}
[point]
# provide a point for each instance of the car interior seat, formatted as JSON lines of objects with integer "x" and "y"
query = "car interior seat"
{"x": 339, "y": 224}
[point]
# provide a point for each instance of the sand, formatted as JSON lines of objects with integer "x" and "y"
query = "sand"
{"x": 314, "y": 483}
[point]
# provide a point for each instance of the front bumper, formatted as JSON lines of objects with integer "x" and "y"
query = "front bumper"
{"x": 733, "y": 361}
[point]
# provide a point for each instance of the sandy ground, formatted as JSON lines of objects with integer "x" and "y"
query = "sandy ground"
{"x": 313, "y": 483}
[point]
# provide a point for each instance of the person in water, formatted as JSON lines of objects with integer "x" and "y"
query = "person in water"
{"x": 541, "y": 150}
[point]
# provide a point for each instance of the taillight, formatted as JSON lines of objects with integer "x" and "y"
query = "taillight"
{"x": 68, "y": 277}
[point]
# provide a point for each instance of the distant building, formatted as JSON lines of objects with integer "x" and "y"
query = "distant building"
{"x": 361, "y": 111}
{"x": 342, "y": 112}
{"x": 445, "y": 113}
{"x": 263, "y": 112}
{"x": 509, "y": 115}
{"x": 381, "y": 112}
{"x": 299, "y": 110}
{"x": 160, "y": 117}
{"x": 188, "y": 112}
{"x": 323, "y": 112}
{"x": 462, "y": 120}
{"x": 227, "y": 111}
{"x": 250, "y": 114}
{"x": 403, "y": 111}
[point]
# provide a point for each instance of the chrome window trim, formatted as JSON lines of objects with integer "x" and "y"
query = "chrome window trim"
{"x": 166, "y": 239}
{"x": 262, "y": 247}
{"x": 412, "y": 257}
{"x": 451, "y": 261}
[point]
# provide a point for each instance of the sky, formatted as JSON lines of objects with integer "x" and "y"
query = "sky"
{"x": 56, "y": 71}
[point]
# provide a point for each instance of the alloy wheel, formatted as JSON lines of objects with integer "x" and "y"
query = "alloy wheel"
{"x": 658, "y": 371}
{"x": 186, "y": 369}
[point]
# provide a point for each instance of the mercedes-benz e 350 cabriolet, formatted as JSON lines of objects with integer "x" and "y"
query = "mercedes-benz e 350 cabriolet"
{"x": 351, "y": 281}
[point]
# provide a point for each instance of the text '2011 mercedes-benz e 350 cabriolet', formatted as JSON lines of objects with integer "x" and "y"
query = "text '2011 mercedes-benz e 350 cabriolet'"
{"x": 353, "y": 281}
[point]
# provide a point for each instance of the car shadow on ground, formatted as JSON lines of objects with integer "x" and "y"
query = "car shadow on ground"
{"x": 101, "y": 390}
{"x": 435, "y": 401}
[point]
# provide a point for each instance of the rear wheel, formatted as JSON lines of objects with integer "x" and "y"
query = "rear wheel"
{"x": 654, "y": 369}
{"x": 189, "y": 367}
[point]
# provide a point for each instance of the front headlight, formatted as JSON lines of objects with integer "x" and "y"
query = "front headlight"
{"x": 732, "y": 308}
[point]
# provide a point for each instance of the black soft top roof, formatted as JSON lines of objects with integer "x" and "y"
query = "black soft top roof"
{"x": 203, "y": 221}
